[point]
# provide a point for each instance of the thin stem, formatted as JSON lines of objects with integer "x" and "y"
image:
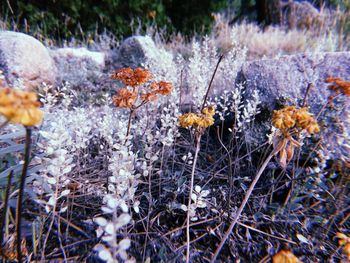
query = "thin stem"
{"x": 211, "y": 81}
{"x": 239, "y": 212}
{"x": 4, "y": 209}
{"x": 129, "y": 122}
{"x": 306, "y": 94}
{"x": 189, "y": 198}
{"x": 21, "y": 190}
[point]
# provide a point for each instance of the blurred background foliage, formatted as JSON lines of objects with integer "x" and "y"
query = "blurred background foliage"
{"x": 64, "y": 19}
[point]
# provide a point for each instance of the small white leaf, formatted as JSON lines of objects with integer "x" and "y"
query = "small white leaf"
{"x": 51, "y": 180}
{"x": 302, "y": 239}
{"x": 65, "y": 192}
{"x": 100, "y": 221}
{"x": 124, "y": 244}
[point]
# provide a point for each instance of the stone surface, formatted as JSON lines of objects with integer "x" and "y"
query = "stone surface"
{"x": 302, "y": 15}
{"x": 135, "y": 51}
{"x": 25, "y": 61}
{"x": 79, "y": 67}
{"x": 288, "y": 77}
{"x": 284, "y": 81}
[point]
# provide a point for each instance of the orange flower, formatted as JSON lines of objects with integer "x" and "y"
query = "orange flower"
{"x": 339, "y": 84}
{"x": 151, "y": 96}
{"x": 162, "y": 87}
{"x": 285, "y": 256}
{"x": 125, "y": 98}
{"x": 132, "y": 77}
{"x": 284, "y": 118}
{"x": 20, "y": 107}
{"x": 290, "y": 116}
{"x": 344, "y": 241}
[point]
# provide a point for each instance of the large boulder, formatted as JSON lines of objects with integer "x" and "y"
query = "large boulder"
{"x": 25, "y": 61}
{"x": 79, "y": 67}
{"x": 135, "y": 51}
{"x": 285, "y": 81}
{"x": 302, "y": 15}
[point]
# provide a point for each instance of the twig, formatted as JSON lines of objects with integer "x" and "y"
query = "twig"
{"x": 267, "y": 234}
{"x": 21, "y": 190}
{"x": 211, "y": 81}
{"x": 9, "y": 5}
{"x": 309, "y": 86}
{"x": 190, "y": 198}
{"x": 129, "y": 124}
{"x": 235, "y": 219}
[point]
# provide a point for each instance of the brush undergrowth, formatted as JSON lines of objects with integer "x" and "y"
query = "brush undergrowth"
{"x": 156, "y": 172}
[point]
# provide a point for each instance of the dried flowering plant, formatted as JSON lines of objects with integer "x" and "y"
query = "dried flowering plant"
{"x": 20, "y": 107}
{"x": 290, "y": 121}
{"x": 199, "y": 121}
{"x": 344, "y": 241}
{"x": 285, "y": 256}
{"x": 128, "y": 96}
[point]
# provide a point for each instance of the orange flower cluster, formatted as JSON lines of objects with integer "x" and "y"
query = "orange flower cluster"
{"x": 132, "y": 77}
{"x": 126, "y": 98}
{"x": 162, "y": 87}
{"x": 290, "y": 117}
{"x": 285, "y": 256}
{"x": 345, "y": 242}
{"x": 339, "y": 85}
{"x": 20, "y": 107}
{"x": 200, "y": 120}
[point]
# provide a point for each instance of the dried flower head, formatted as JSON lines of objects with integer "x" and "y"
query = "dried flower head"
{"x": 201, "y": 120}
{"x": 284, "y": 118}
{"x": 20, "y": 107}
{"x": 210, "y": 111}
{"x": 162, "y": 87}
{"x": 344, "y": 241}
{"x": 188, "y": 119}
{"x": 125, "y": 98}
{"x": 285, "y": 256}
{"x": 151, "y": 96}
{"x": 339, "y": 85}
{"x": 132, "y": 77}
{"x": 290, "y": 117}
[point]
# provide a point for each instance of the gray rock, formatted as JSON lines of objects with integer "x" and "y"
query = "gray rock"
{"x": 24, "y": 60}
{"x": 79, "y": 67}
{"x": 288, "y": 77}
{"x": 135, "y": 51}
{"x": 284, "y": 81}
{"x": 302, "y": 15}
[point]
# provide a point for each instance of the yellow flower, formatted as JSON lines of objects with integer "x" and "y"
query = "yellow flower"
{"x": 284, "y": 118}
{"x": 188, "y": 119}
{"x": 285, "y": 256}
{"x": 20, "y": 107}
{"x": 345, "y": 242}
{"x": 201, "y": 120}
{"x": 209, "y": 111}
{"x": 205, "y": 121}
{"x": 290, "y": 116}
